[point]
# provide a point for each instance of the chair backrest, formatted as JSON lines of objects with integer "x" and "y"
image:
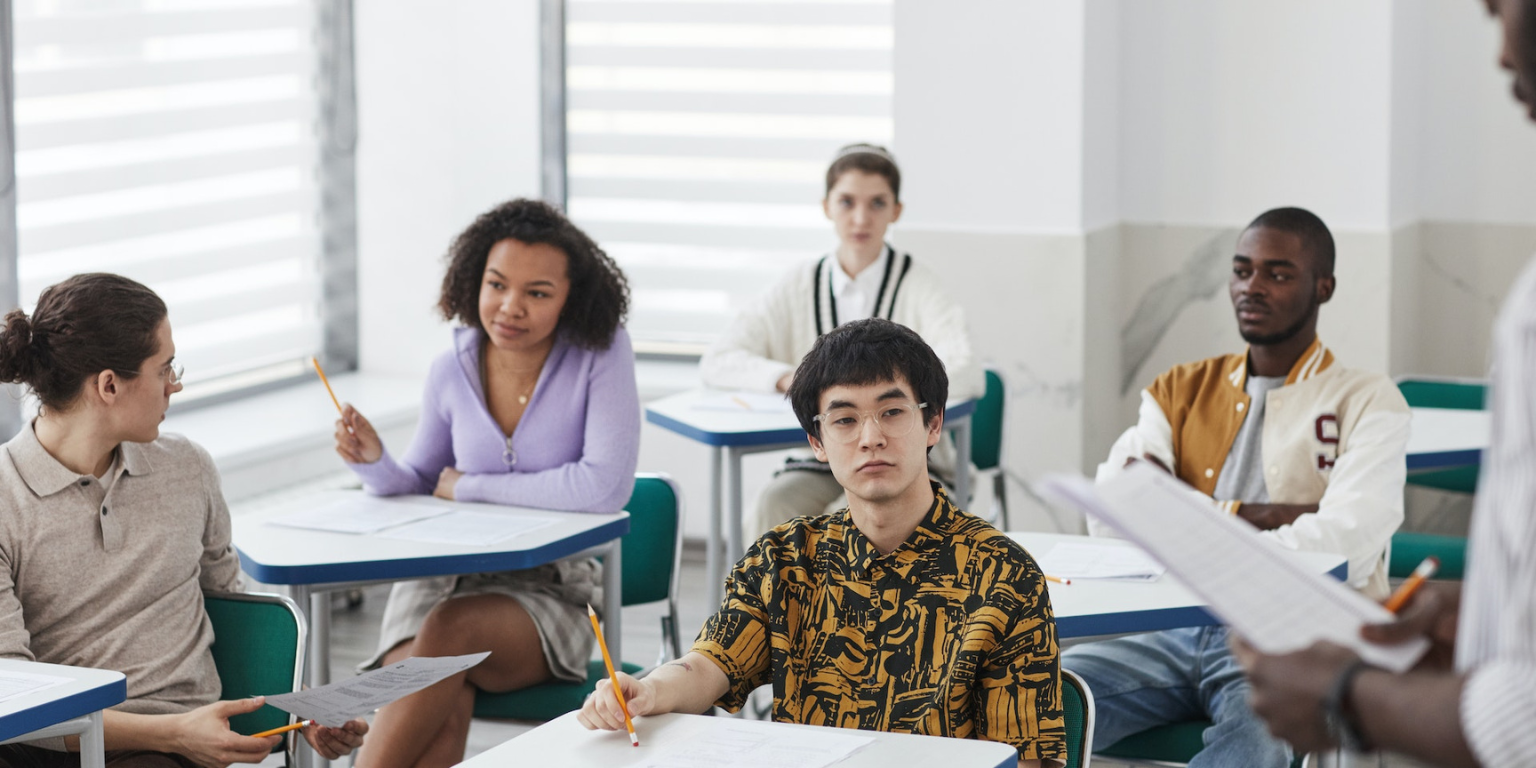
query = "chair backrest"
{"x": 258, "y": 648}
{"x": 1410, "y": 548}
{"x": 1077, "y": 708}
{"x": 1444, "y": 393}
{"x": 654, "y": 544}
{"x": 987, "y": 424}
{"x": 1465, "y": 395}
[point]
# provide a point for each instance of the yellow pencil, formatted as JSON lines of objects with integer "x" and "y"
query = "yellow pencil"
{"x": 315, "y": 361}
{"x": 284, "y": 729}
{"x": 1421, "y": 574}
{"x": 1057, "y": 579}
{"x": 608, "y": 662}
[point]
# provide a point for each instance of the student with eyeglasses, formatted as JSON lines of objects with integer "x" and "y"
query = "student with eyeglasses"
{"x": 899, "y": 613}
{"x": 112, "y": 531}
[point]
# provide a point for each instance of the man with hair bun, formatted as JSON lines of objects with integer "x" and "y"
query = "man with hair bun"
{"x": 112, "y": 531}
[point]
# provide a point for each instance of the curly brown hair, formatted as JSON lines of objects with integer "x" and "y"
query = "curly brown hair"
{"x": 599, "y": 297}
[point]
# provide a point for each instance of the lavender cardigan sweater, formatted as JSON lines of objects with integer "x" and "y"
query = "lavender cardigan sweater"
{"x": 575, "y": 448}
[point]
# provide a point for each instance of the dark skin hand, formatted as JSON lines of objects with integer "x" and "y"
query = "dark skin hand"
{"x": 1265, "y": 517}
{"x": 1415, "y": 713}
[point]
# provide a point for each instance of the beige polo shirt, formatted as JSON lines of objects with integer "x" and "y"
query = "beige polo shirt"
{"x": 112, "y": 577}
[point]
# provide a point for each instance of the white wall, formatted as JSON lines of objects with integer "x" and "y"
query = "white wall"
{"x": 1228, "y": 109}
{"x": 448, "y": 116}
{"x": 1479, "y": 158}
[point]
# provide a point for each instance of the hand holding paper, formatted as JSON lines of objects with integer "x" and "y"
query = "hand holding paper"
{"x": 1263, "y": 595}
{"x": 333, "y": 705}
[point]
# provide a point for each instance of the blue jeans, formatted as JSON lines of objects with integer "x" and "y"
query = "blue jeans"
{"x": 1174, "y": 676}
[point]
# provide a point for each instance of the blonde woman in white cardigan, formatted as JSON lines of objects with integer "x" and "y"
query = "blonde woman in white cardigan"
{"x": 865, "y": 277}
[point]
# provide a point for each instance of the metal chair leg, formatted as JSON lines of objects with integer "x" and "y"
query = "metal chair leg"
{"x": 1000, "y": 496}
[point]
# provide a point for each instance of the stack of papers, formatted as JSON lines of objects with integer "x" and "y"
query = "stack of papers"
{"x": 359, "y": 515}
{"x": 744, "y": 402}
{"x": 468, "y": 529}
{"x": 1073, "y": 560}
{"x": 16, "y": 684}
{"x": 1255, "y": 587}
{"x": 760, "y": 745}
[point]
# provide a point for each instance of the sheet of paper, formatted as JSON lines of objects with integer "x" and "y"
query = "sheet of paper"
{"x": 333, "y": 705}
{"x": 1249, "y": 583}
{"x": 467, "y": 528}
{"x": 355, "y": 514}
{"x": 749, "y": 402}
{"x": 752, "y": 745}
{"x": 14, "y": 684}
{"x": 1087, "y": 560}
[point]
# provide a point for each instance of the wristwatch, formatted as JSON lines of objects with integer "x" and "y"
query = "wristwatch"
{"x": 1336, "y": 715}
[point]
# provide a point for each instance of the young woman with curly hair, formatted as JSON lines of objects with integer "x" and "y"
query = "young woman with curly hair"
{"x": 534, "y": 406}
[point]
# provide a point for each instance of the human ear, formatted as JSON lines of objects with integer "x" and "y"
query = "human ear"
{"x": 1325, "y": 286}
{"x": 816, "y": 448}
{"x": 826, "y": 206}
{"x": 107, "y": 386}
{"x": 895, "y": 213}
{"x": 935, "y": 429}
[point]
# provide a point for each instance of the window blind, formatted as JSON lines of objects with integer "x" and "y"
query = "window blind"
{"x": 698, "y": 136}
{"x": 175, "y": 142}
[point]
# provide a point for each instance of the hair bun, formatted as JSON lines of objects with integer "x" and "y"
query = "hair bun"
{"x": 18, "y": 348}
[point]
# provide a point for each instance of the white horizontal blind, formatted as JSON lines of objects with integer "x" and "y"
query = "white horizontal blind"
{"x": 174, "y": 142}
{"x": 699, "y": 132}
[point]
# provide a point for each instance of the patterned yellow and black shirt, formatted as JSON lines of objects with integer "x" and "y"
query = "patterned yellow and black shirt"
{"x": 951, "y": 634}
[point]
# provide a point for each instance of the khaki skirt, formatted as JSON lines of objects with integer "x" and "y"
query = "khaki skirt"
{"x": 556, "y": 595}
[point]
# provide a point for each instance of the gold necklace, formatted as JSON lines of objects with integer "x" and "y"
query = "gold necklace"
{"x": 485, "y": 375}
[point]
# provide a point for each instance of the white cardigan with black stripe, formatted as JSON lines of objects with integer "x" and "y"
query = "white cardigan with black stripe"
{"x": 769, "y": 337}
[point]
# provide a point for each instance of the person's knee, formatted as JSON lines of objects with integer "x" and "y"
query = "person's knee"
{"x": 452, "y": 628}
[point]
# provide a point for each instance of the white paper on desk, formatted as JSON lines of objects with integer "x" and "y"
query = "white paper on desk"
{"x": 758, "y": 745}
{"x": 1251, "y": 584}
{"x": 1088, "y": 560}
{"x": 469, "y": 529}
{"x": 14, "y": 684}
{"x": 333, "y": 705}
{"x": 358, "y": 515}
{"x": 744, "y": 402}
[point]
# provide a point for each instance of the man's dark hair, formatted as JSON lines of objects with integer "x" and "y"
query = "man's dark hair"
{"x": 869, "y": 158}
{"x": 867, "y": 352}
{"x": 599, "y": 296}
{"x": 1305, "y": 225}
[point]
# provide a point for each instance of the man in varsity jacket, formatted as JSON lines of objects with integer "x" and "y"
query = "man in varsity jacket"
{"x": 863, "y": 278}
{"x": 1308, "y": 451}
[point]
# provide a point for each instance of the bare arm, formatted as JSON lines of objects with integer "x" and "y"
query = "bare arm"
{"x": 1417, "y": 714}
{"x": 1267, "y": 517}
{"x": 691, "y": 684}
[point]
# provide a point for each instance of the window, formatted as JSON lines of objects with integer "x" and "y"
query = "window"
{"x": 175, "y": 142}
{"x": 698, "y": 136}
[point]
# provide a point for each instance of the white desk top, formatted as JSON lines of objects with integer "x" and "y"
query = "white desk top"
{"x": 282, "y": 555}
{"x": 564, "y": 742}
{"x": 712, "y": 426}
{"x": 1089, "y": 607}
{"x": 89, "y": 690}
{"x": 1442, "y": 438}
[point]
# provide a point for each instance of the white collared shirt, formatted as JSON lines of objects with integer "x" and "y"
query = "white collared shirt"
{"x": 856, "y": 296}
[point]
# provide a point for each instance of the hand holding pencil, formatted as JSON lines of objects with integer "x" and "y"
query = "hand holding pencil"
{"x": 1431, "y": 611}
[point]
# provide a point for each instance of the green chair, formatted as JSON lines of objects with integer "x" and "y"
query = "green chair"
{"x": 1409, "y": 549}
{"x": 650, "y": 554}
{"x": 1173, "y": 744}
{"x": 258, "y": 649}
{"x": 987, "y": 441}
{"x": 1445, "y": 393}
{"x": 1077, "y": 709}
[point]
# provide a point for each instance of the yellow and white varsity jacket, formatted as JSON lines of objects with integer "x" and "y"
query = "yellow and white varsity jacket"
{"x": 1332, "y": 436}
